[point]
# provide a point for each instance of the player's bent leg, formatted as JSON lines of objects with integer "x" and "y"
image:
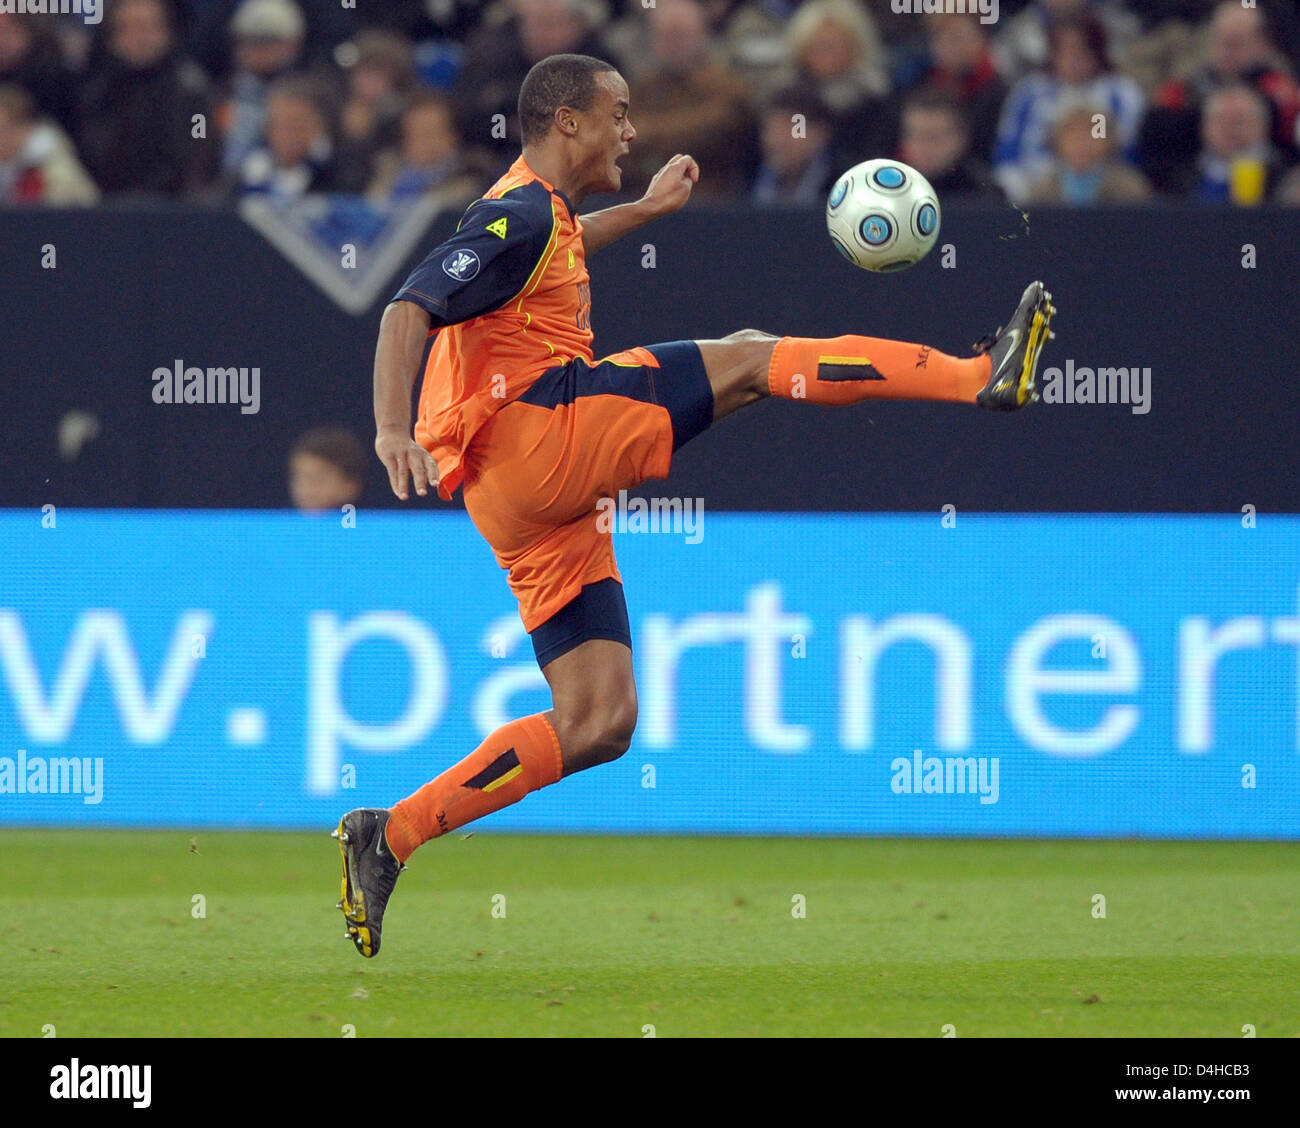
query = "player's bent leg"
{"x": 591, "y": 722}
{"x": 519, "y": 757}
{"x": 594, "y": 696}
{"x": 584, "y": 650}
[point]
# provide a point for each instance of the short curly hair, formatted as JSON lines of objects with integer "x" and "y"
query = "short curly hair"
{"x": 559, "y": 80}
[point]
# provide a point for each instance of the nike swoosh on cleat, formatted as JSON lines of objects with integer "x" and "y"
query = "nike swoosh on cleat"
{"x": 379, "y": 844}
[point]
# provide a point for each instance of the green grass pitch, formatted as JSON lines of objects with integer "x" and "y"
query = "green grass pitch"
{"x": 692, "y": 936}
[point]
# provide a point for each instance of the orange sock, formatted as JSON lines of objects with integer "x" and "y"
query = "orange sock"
{"x": 843, "y": 370}
{"x": 518, "y": 758}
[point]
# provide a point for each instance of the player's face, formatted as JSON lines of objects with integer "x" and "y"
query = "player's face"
{"x": 609, "y": 132}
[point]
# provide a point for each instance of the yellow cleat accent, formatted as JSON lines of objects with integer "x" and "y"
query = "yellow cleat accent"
{"x": 1038, "y": 335}
{"x": 355, "y": 913}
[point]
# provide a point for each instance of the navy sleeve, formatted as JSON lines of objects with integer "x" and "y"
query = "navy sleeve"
{"x": 486, "y": 263}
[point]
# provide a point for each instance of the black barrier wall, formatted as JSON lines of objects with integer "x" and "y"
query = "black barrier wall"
{"x": 1171, "y": 291}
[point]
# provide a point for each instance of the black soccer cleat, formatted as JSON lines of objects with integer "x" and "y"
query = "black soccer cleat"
{"x": 369, "y": 874}
{"x": 1014, "y": 351}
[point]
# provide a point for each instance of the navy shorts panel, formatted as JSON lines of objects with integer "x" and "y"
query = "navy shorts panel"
{"x": 565, "y": 384}
{"x": 598, "y": 611}
{"x": 684, "y": 388}
{"x": 680, "y": 384}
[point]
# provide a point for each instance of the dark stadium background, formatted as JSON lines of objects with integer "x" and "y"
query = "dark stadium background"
{"x": 1163, "y": 289}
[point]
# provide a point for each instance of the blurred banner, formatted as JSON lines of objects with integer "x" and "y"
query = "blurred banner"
{"x": 801, "y": 674}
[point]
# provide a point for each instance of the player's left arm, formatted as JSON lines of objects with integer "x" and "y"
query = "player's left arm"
{"x": 668, "y": 191}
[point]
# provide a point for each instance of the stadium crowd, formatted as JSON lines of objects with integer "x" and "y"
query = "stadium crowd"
{"x": 1075, "y": 102}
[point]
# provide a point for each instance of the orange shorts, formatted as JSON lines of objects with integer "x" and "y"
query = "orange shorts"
{"x": 536, "y": 471}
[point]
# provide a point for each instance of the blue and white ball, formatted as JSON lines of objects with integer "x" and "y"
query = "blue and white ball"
{"x": 883, "y": 215}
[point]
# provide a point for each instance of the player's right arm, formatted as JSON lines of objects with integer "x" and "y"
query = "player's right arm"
{"x": 479, "y": 269}
{"x": 402, "y": 333}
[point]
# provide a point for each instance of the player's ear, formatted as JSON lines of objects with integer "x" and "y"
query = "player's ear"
{"x": 566, "y": 119}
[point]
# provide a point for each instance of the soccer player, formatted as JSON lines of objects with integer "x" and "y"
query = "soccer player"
{"x": 515, "y": 408}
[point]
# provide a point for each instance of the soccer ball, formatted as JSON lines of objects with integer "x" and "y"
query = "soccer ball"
{"x": 883, "y": 215}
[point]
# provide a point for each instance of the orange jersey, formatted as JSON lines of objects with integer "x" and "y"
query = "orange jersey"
{"x": 509, "y": 297}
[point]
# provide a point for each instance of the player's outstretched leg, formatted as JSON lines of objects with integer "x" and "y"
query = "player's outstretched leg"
{"x": 369, "y": 873}
{"x": 844, "y": 370}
